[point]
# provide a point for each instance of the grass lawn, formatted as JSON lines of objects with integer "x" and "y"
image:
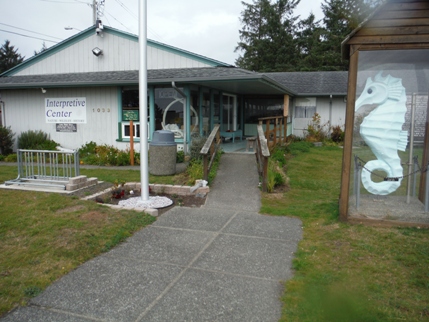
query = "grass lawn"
{"x": 46, "y": 235}
{"x": 347, "y": 272}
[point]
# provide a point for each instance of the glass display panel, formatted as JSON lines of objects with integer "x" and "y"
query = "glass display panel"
{"x": 389, "y": 130}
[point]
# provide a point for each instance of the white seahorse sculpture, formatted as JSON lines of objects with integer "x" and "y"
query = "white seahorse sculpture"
{"x": 382, "y": 131}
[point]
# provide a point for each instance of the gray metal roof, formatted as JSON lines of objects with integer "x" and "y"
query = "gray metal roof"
{"x": 227, "y": 79}
{"x": 313, "y": 83}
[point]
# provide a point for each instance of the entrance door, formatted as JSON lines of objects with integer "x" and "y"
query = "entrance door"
{"x": 229, "y": 119}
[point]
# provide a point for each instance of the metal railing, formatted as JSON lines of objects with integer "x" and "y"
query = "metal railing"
{"x": 209, "y": 150}
{"x": 262, "y": 156}
{"x": 44, "y": 167}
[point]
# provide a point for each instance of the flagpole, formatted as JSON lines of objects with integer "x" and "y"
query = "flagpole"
{"x": 144, "y": 168}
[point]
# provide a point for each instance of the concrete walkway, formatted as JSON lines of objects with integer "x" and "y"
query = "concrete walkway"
{"x": 221, "y": 262}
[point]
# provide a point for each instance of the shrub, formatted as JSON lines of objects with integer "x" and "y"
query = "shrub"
{"x": 315, "y": 131}
{"x": 11, "y": 158}
{"x": 197, "y": 144}
{"x": 6, "y": 140}
{"x": 276, "y": 176}
{"x": 36, "y": 140}
{"x": 87, "y": 149}
{"x": 337, "y": 134}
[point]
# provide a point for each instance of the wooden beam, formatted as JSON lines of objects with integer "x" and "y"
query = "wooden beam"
{"x": 389, "y": 39}
{"x": 348, "y": 137}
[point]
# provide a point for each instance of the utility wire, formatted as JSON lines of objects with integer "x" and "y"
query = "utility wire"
{"x": 15, "y": 33}
{"x": 4, "y": 24}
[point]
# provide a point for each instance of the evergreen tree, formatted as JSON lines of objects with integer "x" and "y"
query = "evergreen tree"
{"x": 267, "y": 37}
{"x": 9, "y": 57}
{"x": 41, "y": 49}
{"x": 341, "y": 18}
{"x": 309, "y": 43}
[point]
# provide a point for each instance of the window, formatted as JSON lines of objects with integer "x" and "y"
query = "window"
{"x": 305, "y": 107}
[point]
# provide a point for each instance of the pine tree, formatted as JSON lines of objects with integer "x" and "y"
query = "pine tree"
{"x": 309, "y": 43}
{"x": 341, "y": 18}
{"x": 9, "y": 57}
{"x": 267, "y": 36}
{"x": 41, "y": 49}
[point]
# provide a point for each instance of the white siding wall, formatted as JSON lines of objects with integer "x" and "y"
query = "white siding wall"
{"x": 119, "y": 54}
{"x": 337, "y": 116}
{"x": 25, "y": 111}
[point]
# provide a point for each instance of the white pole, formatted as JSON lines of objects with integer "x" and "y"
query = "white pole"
{"x": 144, "y": 172}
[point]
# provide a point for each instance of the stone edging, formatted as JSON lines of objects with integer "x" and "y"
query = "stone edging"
{"x": 157, "y": 188}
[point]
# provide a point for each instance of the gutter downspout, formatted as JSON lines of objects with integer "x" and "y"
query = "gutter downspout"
{"x": 330, "y": 112}
{"x": 185, "y": 113}
{"x": 3, "y": 113}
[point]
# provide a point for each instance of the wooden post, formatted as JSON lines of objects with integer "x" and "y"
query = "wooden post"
{"x": 131, "y": 142}
{"x": 348, "y": 137}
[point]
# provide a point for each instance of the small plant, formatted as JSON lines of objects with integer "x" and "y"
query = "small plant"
{"x": 180, "y": 157}
{"x": 316, "y": 132}
{"x": 6, "y": 140}
{"x": 36, "y": 140}
{"x": 32, "y": 291}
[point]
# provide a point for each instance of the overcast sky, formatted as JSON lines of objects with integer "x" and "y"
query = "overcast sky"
{"x": 205, "y": 27}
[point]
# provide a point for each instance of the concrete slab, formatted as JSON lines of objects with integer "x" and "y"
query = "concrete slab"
{"x": 163, "y": 245}
{"x": 249, "y": 256}
{"x": 109, "y": 288}
{"x": 257, "y": 225}
{"x": 236, "y": 184}
{"x": 208, "y": 296}
{"x": 195, "y": 218}
{"x": 38, "y": 314}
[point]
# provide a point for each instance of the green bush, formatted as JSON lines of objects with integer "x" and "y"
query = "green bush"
{"x": 87, "y": 149}
{"x": 36, "y": 140}
{"x": 11, "y": 158}
{"x": 6, "y": 140}
{"x": 197, "y": 144}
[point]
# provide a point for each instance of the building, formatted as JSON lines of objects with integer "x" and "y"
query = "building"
{"x": 86, "y": 89}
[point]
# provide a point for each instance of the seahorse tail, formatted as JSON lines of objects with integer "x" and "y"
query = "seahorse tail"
{"x": 383, "y": 187}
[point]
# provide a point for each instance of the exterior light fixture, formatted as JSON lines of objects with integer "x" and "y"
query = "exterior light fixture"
{"x": 97, "y": 51}
{"x": 43, "y": 90}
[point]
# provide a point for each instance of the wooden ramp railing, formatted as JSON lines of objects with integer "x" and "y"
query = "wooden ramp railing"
{"x": 278, "y": 133}
{"x": 209, "y": 150}
{"x": 262, "y": 156}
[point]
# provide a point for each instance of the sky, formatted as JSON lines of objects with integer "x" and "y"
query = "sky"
{"x": 205, "y": 27}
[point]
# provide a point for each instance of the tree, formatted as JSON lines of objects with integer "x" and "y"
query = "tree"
{"x": 41, "y": 49}
{"x": 9, "y": 57}
{"x": 267, "y": 36}
{"x": 341, "y": 18}
{"x": 309, "y": 44}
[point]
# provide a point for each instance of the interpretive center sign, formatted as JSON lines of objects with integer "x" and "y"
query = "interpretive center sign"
{"x": 65, "y": 110}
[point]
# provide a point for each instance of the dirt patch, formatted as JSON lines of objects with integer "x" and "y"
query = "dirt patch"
{"x": 94, "y": 217}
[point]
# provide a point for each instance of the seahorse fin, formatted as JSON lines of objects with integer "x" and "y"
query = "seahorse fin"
{"x": 403, "y": 140}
